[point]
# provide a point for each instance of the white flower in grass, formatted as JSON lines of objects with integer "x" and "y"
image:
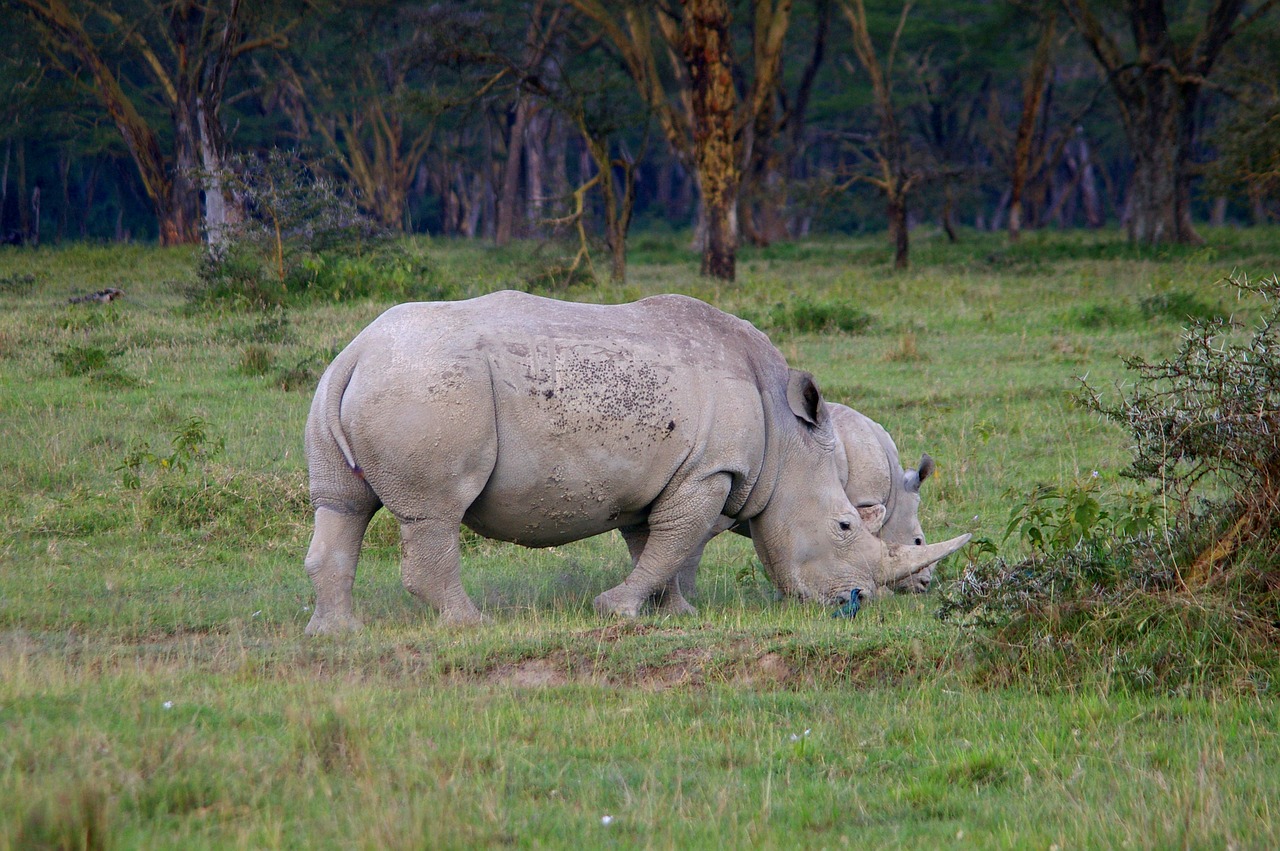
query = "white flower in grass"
{"x": 168, "y": 704}
{"x": 606, "y": 820}
{"x": 795, "y": 737}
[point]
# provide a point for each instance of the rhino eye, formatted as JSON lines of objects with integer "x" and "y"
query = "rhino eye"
{"x": 919, "y": 542}
{"x": 845, "y": 525}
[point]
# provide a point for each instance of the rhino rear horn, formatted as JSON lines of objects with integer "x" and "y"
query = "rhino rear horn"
{"x": 903, "y": 561}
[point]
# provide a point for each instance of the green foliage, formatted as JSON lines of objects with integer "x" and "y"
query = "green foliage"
{"x": 17, "y": 283}
{"x": 192, "y": 444}
{"x": 76, "y": 821}
{"x": 256, "y": 360}
{"x": 95, "y": 363}
{"x": 1179, "y": 306}
{"x": 1057, "y": 519}
{"x": 810, "y": 316}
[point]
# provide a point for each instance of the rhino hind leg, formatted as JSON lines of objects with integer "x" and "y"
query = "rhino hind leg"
{"x": 331, "y": 564}
{"x": 680, "y": 524}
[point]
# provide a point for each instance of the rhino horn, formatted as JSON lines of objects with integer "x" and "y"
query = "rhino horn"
{"x": 902, "y": 561}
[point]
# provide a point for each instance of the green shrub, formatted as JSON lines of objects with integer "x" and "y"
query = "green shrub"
{"x": 95, "y": 363}
{"x": 803, "y": 316}
{"x": 1115, "y": 594}
{"x": 256, "y": 360}
{"x": 1179, "y": 306}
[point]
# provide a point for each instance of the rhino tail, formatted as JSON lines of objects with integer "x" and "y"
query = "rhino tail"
{"x": 338, "y": 378}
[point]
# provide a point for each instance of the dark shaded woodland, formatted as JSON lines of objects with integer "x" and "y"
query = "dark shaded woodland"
{"x": 744, "y": 122}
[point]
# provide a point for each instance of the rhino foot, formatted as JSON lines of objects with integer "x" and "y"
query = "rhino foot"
{"x": 464, "y": 616}
{"x": 671, "y": 602}
{"x": 617, "y": 601}
{"x": 333, "y": 624}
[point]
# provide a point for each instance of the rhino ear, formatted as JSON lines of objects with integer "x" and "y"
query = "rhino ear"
{"x": 873, "y": 516}
{"x": 914, "y": 478}
{"x": 804, "y": 398}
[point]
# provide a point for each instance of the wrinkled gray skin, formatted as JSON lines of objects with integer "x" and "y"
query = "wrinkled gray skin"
{"x": 886, "y": 496}
{"x": 541, "y": 422}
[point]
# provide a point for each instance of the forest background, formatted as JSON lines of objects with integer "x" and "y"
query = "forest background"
{"x": 746, "y": 122}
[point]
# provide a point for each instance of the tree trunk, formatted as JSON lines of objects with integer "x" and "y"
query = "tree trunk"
{"x": 24, "y": 213}
{"x": 508, "y": 196}
{"x": 1154, "y": 189}
{"x": 1032, "y": 100}
{"x": 221, "y": 210}
{"x": 4, "y": 192}
{"x": 899, "y": 230}
{"x": 706, "y": 54}
{"x": 34, "y": 238}
{"x": 535, "y": 162}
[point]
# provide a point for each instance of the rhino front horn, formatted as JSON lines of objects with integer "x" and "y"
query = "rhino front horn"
{"x": 902, "y": 561}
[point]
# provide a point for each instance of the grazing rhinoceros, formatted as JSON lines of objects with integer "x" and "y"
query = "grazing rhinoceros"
{"x": 542, "y": 422}
{"x": 876, "y": 477}
{"x": 887, "y": 497}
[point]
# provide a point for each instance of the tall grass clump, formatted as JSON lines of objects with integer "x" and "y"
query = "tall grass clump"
{"x": 1126, "y": 593}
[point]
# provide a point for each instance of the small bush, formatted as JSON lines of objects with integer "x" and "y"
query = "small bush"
{"x": 75, "y": 822}
{"x": 1117, "y": 595}
{"x": 818, "y": 317}
{"x": 302, "y": 375}
{"x": 1102, "y": 315}
{"x": 1179, "y": 306}
{"x": 95, "y": 363}
{"x": 17, "y": 284}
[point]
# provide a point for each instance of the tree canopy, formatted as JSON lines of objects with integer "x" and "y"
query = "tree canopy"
{"x": 742, "y": 120}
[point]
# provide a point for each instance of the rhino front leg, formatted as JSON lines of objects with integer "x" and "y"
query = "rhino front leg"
{"x": 669, "y": 599}
{"x": 678, "y": 528}
{"x": 431, "y": 569}
{"x": 331, "y": 564}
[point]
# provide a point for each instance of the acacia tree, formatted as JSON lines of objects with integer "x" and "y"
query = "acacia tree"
{"x": 1033, "y": 90}
{"x": 1157, "y": 84}
{"x": 179, "y": 52}
{"x": 698, "y": 106}
{"x": 893, "y": 174}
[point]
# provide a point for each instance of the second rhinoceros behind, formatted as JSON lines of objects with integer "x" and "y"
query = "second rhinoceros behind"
{"x": 541, "y": 422}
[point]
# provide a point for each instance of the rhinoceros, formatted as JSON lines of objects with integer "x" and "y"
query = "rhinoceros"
{"x": 886, "y": 496}
{"x": 876, "y": 477}
{"x": 541, "y": 422}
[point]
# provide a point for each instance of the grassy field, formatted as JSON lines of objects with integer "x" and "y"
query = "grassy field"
{"x": 156, "y": 690}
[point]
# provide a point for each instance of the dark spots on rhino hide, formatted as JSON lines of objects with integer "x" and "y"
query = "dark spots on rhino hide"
{"x": 599, "y": 390}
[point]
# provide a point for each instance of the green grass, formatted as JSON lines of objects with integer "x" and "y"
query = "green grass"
{"x": 156, "y": 689}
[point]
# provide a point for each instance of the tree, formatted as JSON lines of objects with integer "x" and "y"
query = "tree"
{"x": 698, "y": 105}
{"x": 178, "y": 52}
{"x": 1157, "y": 85}
{"x": 346, "y": 85}
{"x": 894, "y": 174}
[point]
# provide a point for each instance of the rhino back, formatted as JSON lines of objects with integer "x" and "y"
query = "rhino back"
{"x": 566, "y": 419}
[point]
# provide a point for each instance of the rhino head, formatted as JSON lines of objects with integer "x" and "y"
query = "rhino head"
{"x": 813, "y": 542}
